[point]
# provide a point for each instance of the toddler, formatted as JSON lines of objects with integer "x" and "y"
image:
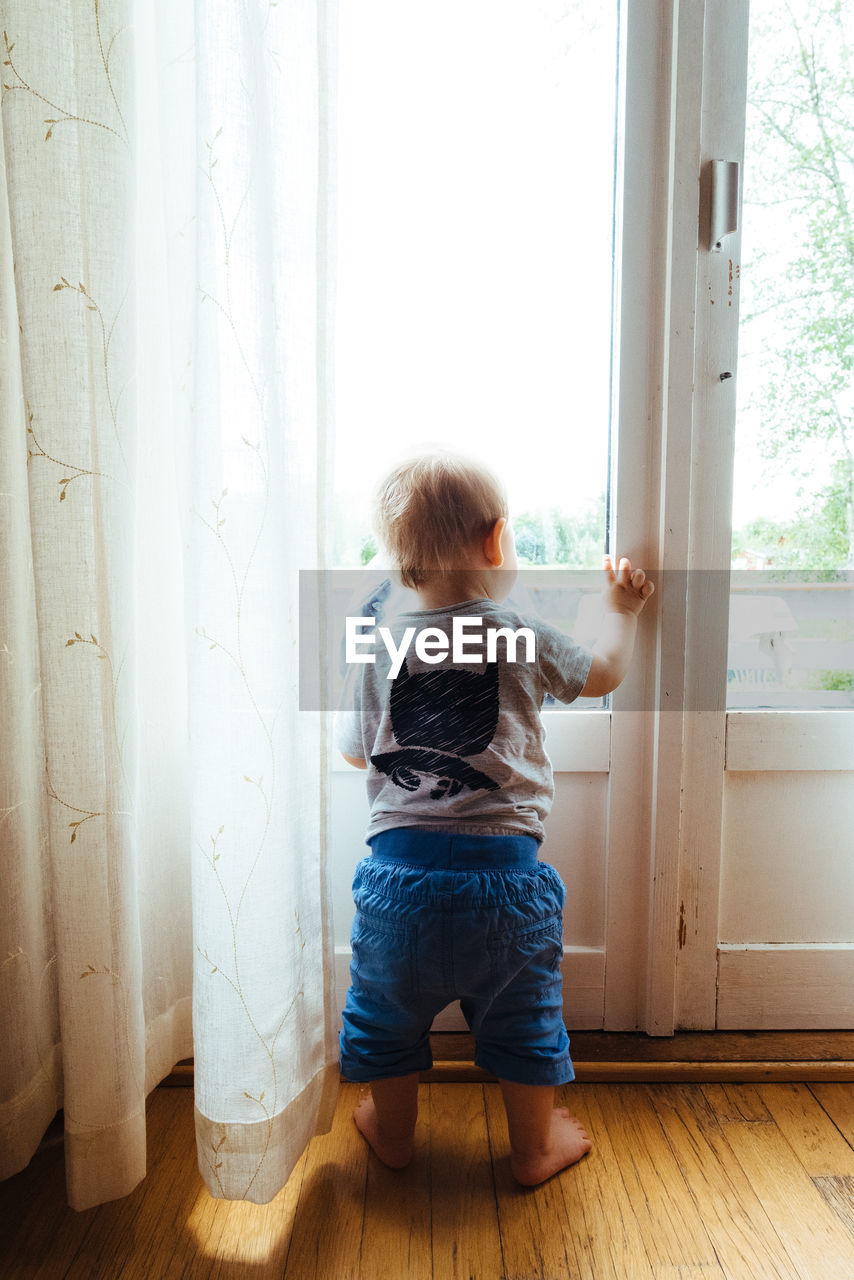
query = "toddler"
{"x": 452, "y": 901}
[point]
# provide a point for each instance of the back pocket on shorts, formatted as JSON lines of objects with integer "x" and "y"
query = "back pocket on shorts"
{"x": 383, "y": 954}
{"x": 532, "y": 954}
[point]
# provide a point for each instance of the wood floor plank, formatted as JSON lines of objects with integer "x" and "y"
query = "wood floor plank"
{"x": 534, "y": 1239}
{"x": 672, "y": 1229}
{"x": 812, "y": 1234}
{"x": 169, "y": 1227}
{"x": 142, "y": 1234}
{"x": 104, "y": 1239}
{"x": 172, "y": 1228}
{"x": 744, "y": 1239}
{"x": 465, "y": 1234}
{"x": 329, "y": 1223}
{"x": 838, "y": 1101}
{"x": 397, "y": 1240}
{"x": 226, "y": 1240}
{"x": 737, "y": 1103}
{"x": 40, "y": 1233}
{"x": 709, "y": 1272}
{"x": 810, "y": 1132}
{"x": 35, "y": 1222}
{"x": 839, "y": 1194}
{"x": 606, "y": 1238}
{"x": 765, "y": 1172}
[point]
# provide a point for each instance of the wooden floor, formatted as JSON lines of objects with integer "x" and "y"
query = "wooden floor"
{"x": 685, "y": 1182}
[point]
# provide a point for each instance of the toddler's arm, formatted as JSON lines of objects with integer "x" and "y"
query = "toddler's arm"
{"x": 625, "y": 594}
{"x": 355, "y": 760}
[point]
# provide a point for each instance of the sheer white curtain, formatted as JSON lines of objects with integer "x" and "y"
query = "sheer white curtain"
{"x": 163, "y": 477}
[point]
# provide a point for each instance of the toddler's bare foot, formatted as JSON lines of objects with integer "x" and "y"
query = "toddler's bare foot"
{"x": 567, "y": 1143}
{"x": 395, "y": 1152}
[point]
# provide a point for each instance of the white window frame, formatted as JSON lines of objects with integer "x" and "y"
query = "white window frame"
{"x": 695, "y": 748}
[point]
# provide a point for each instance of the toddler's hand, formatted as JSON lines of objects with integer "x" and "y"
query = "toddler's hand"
{"x": 625, "y": 590}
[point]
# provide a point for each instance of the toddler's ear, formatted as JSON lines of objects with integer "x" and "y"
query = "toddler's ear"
{"x": 492, "y": 543}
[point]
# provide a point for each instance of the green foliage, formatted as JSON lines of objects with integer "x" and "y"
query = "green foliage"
{"x": 799, "y": 193}
{"x": 550, "y": 537}
{"x": 838, "y": 681}
{"x": 368, "y": 550}
{"x": 816, "y": 538}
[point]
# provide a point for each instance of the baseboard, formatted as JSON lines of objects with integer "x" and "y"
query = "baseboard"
{"x": 699, "y": 1057}
{"x": 666, "y": 1072}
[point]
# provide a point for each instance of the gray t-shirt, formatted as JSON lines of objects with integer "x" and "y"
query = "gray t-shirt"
{"x": 458, "y": 745}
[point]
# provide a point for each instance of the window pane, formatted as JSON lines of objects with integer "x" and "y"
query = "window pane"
{"x": 475, "y": 219}
{"x": 792, "y": 614}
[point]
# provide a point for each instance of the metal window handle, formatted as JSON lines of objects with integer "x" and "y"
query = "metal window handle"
{"x": 724, "y": 212}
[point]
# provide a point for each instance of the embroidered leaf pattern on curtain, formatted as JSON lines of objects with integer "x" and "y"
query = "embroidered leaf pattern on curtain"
{"x": 162, "y": 244}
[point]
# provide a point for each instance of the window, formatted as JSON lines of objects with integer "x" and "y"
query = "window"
{"x": 792, "y": 608}
{"x": 476, "y": 162}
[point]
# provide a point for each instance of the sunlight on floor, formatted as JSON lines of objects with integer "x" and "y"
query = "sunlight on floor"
{"x": 242, "y": 1232}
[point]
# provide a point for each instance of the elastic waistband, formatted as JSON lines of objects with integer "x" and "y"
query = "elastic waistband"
{"x": 454, "y": 849}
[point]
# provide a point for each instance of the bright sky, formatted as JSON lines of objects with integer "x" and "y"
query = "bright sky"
{"x": 475, "y": 154}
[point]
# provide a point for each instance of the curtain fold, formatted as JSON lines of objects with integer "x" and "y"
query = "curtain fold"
{"x": 163, "y": 242}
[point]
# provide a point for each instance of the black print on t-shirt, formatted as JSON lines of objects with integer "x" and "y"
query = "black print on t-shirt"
{"x": 438, "y": 717}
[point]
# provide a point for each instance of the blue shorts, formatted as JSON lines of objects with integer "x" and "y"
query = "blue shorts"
{"x": 449, "y": 916}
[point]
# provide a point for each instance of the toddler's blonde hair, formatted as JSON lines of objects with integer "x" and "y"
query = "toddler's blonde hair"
{"x": 432, "y": 509}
